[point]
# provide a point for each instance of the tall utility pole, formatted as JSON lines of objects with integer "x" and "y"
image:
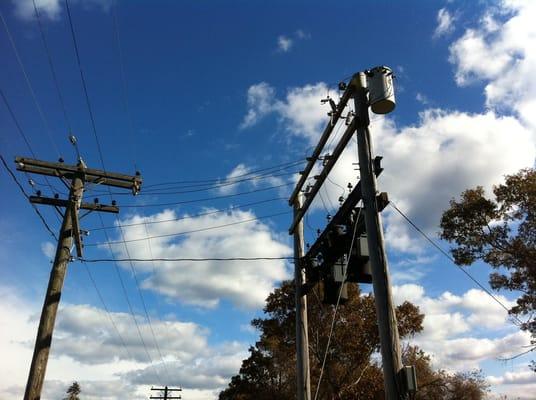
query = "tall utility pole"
{"x": 167, "y": 391}
{"x": 303, "y": 379}
{"x": 385, "y": 310}
{"x": 366, "y": 263}
{"x": 75, "y": 178}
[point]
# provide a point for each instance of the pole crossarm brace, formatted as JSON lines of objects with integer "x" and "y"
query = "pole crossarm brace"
{"x": 320, "y": 146}
{"x": 309, "y": 196}
{"x": 94, "y": 176}
{"x": 65, "y": 203}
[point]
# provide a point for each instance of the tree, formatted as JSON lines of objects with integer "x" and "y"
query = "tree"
{"x": 351, "y": 370}
{"x": 502, "y": 233}
{"x": 73, "y": 392}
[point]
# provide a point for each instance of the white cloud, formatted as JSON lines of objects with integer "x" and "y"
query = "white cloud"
{"x": 284, "y": 43}
{"x": 516, "y": 384}
{"x": 500, "y": 52}
{"x": 260, "y": 99}
{"x": 445, "y": 23}
{"x": 86, "y": 348}
{"x": 421, "y": 98}
{"x": 512, "y": 378}
{"x": 203, "y": 284}
{"x": 301, "y": 111}
{"x": 52, "y": 9}
{"x": 48, "y": 249}
{"x": 453, "y": 324}
{"x": 239, "y": 171}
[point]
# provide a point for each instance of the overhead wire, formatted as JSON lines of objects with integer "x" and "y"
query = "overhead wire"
{"x": 124, "y": 84}
{"x": 24, "y": 136}
{"x": 203, "y": 259}
{"x": 205, "y": 187}
{"x": 448, "y": 256}
{"x": 123, "y": 240}
{"x": 29, "y": 84}
{"x": 217, "y": 180}
{"x": 41, "y": 217}
{"x": 190, "y": 216}
{"x": 105, "y": 307}
{"x": 99, "y": 149}
{"x": 129, "y": 304}
{"x": 51, "y": 65}
{"x": 205, "y": 199}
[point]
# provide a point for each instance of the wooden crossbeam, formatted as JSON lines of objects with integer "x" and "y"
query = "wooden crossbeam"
{"x": 65, "y": 203}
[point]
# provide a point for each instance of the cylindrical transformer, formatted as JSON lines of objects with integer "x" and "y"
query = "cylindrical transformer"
{"x": 381, "y": 90}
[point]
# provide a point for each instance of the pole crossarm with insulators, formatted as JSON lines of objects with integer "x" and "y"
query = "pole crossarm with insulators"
{"x": 351, "y": 247}
{"x": 74, "y": 177}
{"x": 166, "y": 393}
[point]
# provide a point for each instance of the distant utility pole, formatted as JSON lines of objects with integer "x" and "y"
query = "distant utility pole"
{"x": 167, "y": 393}
{"x": 366, "y": 260}
{"x": 74, "y": 177}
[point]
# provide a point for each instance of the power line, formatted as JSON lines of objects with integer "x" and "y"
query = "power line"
{"x": 84, "y": 86}
{"x": 125, "y": 293}
{"x": 433, "y": 243}
{"x": 217, "y": 180}
{"x": 222, "y": 210}
{"x": 208, "y": 198}
{"x": 52, "y": 69}
{"x": 15, "y": 120}
{"x": 205, "y": 187}
{"x": 92, "y": 280}
{"x": 99, "y": 260}
{"x": 189, "y": 232}
{"x": 99, "y": 149}
{"x": 29, "y": 84}
{"x": 124, "y": 86}
{"x": 26, "y": 195}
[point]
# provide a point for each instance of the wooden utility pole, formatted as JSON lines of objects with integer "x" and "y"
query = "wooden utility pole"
{"x": 333, "y": 243}
{"x": 385, "y": 310}
{"x": 167, "y": 393}
{"x": 75, "y": 178}
{"x": 303, "y": 379}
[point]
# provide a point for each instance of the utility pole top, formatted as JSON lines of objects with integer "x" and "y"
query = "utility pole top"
{"x": 95, "y": 176}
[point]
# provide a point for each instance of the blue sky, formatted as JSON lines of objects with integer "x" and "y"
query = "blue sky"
{"x": 215, "y": 91}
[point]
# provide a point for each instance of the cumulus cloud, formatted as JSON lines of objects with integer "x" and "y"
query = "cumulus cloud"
{"x": 300, "y": 111}
{"x": 87, "y": 348}
{"x": 205, "y": 373}
{"x": 445, "y": 23}
{"x": 239, "y": 171}
{"x": 285, "y": 43}
{"x": 452, "y": 324}
{"x": 260, "y": 99}
{"x": 80, "y": 335}
{"x": 48, "y": 249}
{"x": 204, "y": 284}
{"x": 500, "y": 52}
